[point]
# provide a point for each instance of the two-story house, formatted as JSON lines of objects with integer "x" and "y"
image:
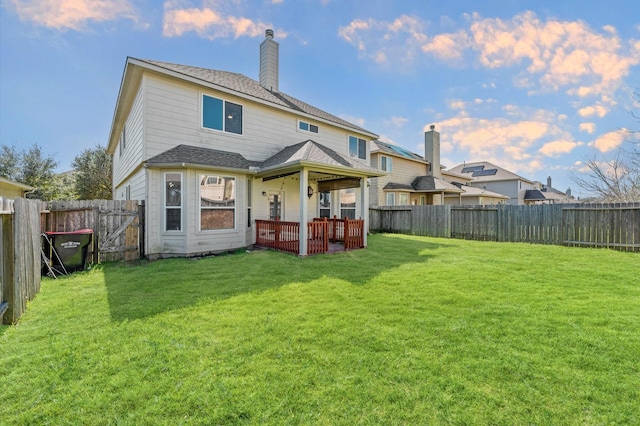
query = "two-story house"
{"x": 415, "y": 180}
{"x": 489, "y": 177}
{"x": 210, "y": 152}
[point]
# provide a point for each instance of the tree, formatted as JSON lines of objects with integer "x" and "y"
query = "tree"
{"x": 32, "y": 167}
{"x": 93, "y": 174}
{"x": 616, "y": 180}
{"x": 10, "y": 159}
{"x": 613, "y": 181}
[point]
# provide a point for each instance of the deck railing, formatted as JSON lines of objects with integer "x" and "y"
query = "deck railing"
{"x": 278, "y": 235}
{"x": 285, "y": 236}
{"x": 347, "y": 231}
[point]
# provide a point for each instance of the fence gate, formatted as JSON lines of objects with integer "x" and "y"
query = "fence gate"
{"x": 117, "y": 226}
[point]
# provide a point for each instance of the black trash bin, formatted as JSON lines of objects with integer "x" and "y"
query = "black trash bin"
{"x": 71, "y": 248}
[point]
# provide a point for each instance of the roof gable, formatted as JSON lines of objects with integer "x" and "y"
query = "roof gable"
{"x": 248, "y": 87}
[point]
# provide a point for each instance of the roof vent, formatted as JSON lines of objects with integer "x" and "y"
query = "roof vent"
{"x": 268, "y": 33}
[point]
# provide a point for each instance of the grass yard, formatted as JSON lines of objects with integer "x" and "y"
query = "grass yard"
{"x": 410, "y": 331}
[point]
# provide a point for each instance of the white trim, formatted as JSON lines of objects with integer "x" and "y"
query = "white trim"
{"x": 199, "y": 176}
{"x": 299, "y": 130}
{"x": 165, "y": 207}
{"x": 202, "y": 94}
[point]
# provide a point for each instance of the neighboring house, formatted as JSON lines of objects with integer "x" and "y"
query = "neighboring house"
{"x": 12, "y": 189}
{"x": 412, "y": 180}
{"x": 554, "y": 196}
{"x": 212, "y": 151}
{"x": 488, "y": 176}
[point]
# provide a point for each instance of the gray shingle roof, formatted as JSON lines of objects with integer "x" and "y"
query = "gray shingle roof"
{"x": 313, "y": 152}
{"x": 249, "y": 87}
{"x": 533, "y": 194}
{"x": 201, "y": 156}
{"x": 429, "y": 183}
{"x": 424, "y": 184}
{"x": 309, "y": 151}
{"x": 392, "y": 149}
{"x": 398, "y": 186}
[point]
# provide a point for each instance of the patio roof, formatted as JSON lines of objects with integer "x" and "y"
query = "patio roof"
{"x": 324, "y": 162}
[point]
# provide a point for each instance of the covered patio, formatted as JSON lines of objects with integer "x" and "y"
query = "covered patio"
{"x": 315, "y": 170}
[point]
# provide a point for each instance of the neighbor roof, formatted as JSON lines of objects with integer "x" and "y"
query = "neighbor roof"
{"x": 424, "y": 184}
{"x": 484, "y": 171}
{"x": 392, "y": 149}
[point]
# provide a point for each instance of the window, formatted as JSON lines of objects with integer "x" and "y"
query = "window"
{"x": 403, "y": 199}
{"x": 307, "y": 127}
{"x": 217, "y": 202}
{"x": 357, "y": 147}
{"x": 423, "y": 200}
{"x": 325, "y": 204}
{"x": 348, "y": 203}
{"x": 391, "y": 199}
{"x": 221, "y": 115}
{"x": 385, "y": 163}
{"x": 123, "y": 140}
{"x": 173, "y": 201}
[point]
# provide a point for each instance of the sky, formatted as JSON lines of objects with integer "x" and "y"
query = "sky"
{"x": 536, "y": 87}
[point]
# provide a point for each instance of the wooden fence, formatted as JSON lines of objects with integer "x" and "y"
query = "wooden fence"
{"x": 20, "y": 255}
{"x": 118, "y": 235}
{"x": 615, "y": 226}
{"x": 117, "y": 226}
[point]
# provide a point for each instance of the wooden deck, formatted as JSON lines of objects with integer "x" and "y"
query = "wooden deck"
{"x": 324, "y": 235}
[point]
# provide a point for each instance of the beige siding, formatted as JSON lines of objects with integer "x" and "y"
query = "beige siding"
{"x": 402, "y": 171}
{"x": 174, "y": 117}
{"x": 130, "y": 159}
{"x": 136, "y": 183}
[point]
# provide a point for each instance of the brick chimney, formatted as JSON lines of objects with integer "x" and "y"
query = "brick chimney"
{"x": 432, "y": 151}
{"x": 269, "y": 62}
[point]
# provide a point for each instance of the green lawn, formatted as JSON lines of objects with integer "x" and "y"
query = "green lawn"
{"x": 410, "y": 331}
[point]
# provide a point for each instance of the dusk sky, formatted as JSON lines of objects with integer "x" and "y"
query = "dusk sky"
{"x": 535, "y": 87}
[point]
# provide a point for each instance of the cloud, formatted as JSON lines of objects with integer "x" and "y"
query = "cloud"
{"x": 609, "y": 141}
{"x": 559, "y": 147}
{"x": 588, "y": 127}
{"x": 591, "y": 110}
{"x": 210, "y": 24}
{"x": 553, "y": 55}
{"x": 72, "y": 14}
{"x": 398, "y": 121}
{"x": 399, "y": 39}
{"x": 517, "y": 142}
{"x": 484, "y": 138}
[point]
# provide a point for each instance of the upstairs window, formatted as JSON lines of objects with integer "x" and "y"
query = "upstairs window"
{"x": 357, "y": 147}
{"x": 307, "y": 127}
{"x": 218, "y": 114}
{"x": 385, "y": 163}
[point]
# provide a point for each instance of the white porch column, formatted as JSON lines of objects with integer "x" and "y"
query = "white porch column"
{"x": 304, "y": 210}
{"x": 364, "y": 203}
